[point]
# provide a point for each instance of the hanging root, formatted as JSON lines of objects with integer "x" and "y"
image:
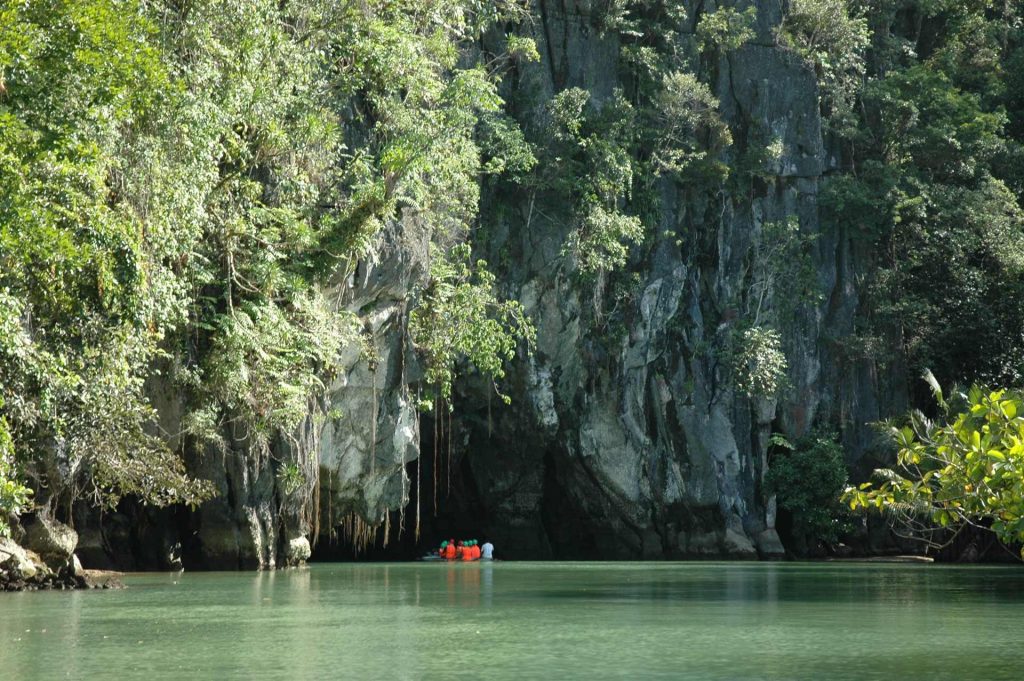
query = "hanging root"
{"x": 419, "y": 473}
{"x": 357, "y": 532}
{"x": 362, "y": 535}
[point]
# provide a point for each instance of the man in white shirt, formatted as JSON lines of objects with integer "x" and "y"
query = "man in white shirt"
{"x": 487, "y": 551}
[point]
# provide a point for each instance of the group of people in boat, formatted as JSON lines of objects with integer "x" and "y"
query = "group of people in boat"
{"x": 466, "y": 550}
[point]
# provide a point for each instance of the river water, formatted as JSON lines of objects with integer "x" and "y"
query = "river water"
{"x": 530, "y": 620}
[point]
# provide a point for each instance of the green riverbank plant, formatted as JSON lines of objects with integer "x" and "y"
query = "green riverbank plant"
{"x": 965, "y": 468}
{"x": 14, "y": 495}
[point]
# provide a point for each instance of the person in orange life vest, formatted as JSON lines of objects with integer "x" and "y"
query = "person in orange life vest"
{"x": 449, "y": 550}
{"x": 467, "y": 551}
{"x": 460, "y": 550}
{"x": 476, "y": 550}
{"x": 440, "y": 551}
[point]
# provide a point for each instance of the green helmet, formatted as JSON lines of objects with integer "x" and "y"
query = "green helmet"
{"x": 444, "y": 543}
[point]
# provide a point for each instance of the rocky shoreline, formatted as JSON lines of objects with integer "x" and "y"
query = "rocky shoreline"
{"x": 41, "y": 556}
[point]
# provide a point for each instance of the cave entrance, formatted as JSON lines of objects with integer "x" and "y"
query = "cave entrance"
{"x": 442, "y": 486}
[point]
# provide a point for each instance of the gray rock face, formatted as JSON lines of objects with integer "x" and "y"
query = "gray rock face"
{"x": 769, "y": 545}
{"x": 631, "y": 443}
{"x": 15, "y": 559}
{"x": 363, "y": 452}
{"x": 54, "y": 541}
{"x": 352, "y": 463}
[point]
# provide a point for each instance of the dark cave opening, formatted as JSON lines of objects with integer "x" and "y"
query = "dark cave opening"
{"x": 443, "y": 493}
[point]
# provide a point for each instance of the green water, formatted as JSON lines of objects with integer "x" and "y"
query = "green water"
{"x": 530, "y": 620}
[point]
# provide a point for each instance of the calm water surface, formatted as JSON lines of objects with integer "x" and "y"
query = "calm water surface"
{"x": 530, "y": 620}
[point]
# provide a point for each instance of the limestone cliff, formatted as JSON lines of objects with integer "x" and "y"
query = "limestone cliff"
{"x": 628, "y": 443}
{"x": 622, "y": 440}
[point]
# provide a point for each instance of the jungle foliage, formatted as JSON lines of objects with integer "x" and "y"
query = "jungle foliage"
{"x": 933, "y": 155}
{"x": 461, "y": 316}
{"x": 180, "y": 181}
{"x": 932, "y": 189}
{"x": 183, "y": 183}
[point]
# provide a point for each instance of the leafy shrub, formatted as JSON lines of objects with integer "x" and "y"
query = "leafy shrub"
{"x": 807, "y": 480}
{"x": 967, "y": 468}
{"x": 591, "y": 161}
{"x": 689, "y": 130}
{"x": 832, "y": 35}
{"x": 726, "y": 28}
{"x": 756, "y": 360}
{"x": 13, "y": 495}
{"x": 460, "y": 316}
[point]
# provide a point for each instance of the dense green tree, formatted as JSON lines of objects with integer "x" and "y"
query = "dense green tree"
{"x": 77, "y": 325}
{"x": 832, "y": 36}
{"x": 726, "y": 28}
{"x": 14, "y": 495}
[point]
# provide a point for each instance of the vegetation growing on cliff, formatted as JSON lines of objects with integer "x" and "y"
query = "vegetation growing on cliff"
{"x": 726, "y": 28}
{"x": 922, "y": 105}
{"x": 460, "y": 315}
{"x": 184, "y": 186}
{"x": 756, "y": 363}
{"x": 590, "y": 160}
{"x": 933, "y": 186}
{"x": 933, "y": 152}
{"x": 180, "y": 182}
{"x": 85, "y": 296}
{"x": 833, "y": 36}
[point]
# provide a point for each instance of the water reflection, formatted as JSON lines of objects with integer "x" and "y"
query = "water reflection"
{"x": 463, "y": 583}
{"x": 487, "y": 572}
{"x": 518, "y": 620}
